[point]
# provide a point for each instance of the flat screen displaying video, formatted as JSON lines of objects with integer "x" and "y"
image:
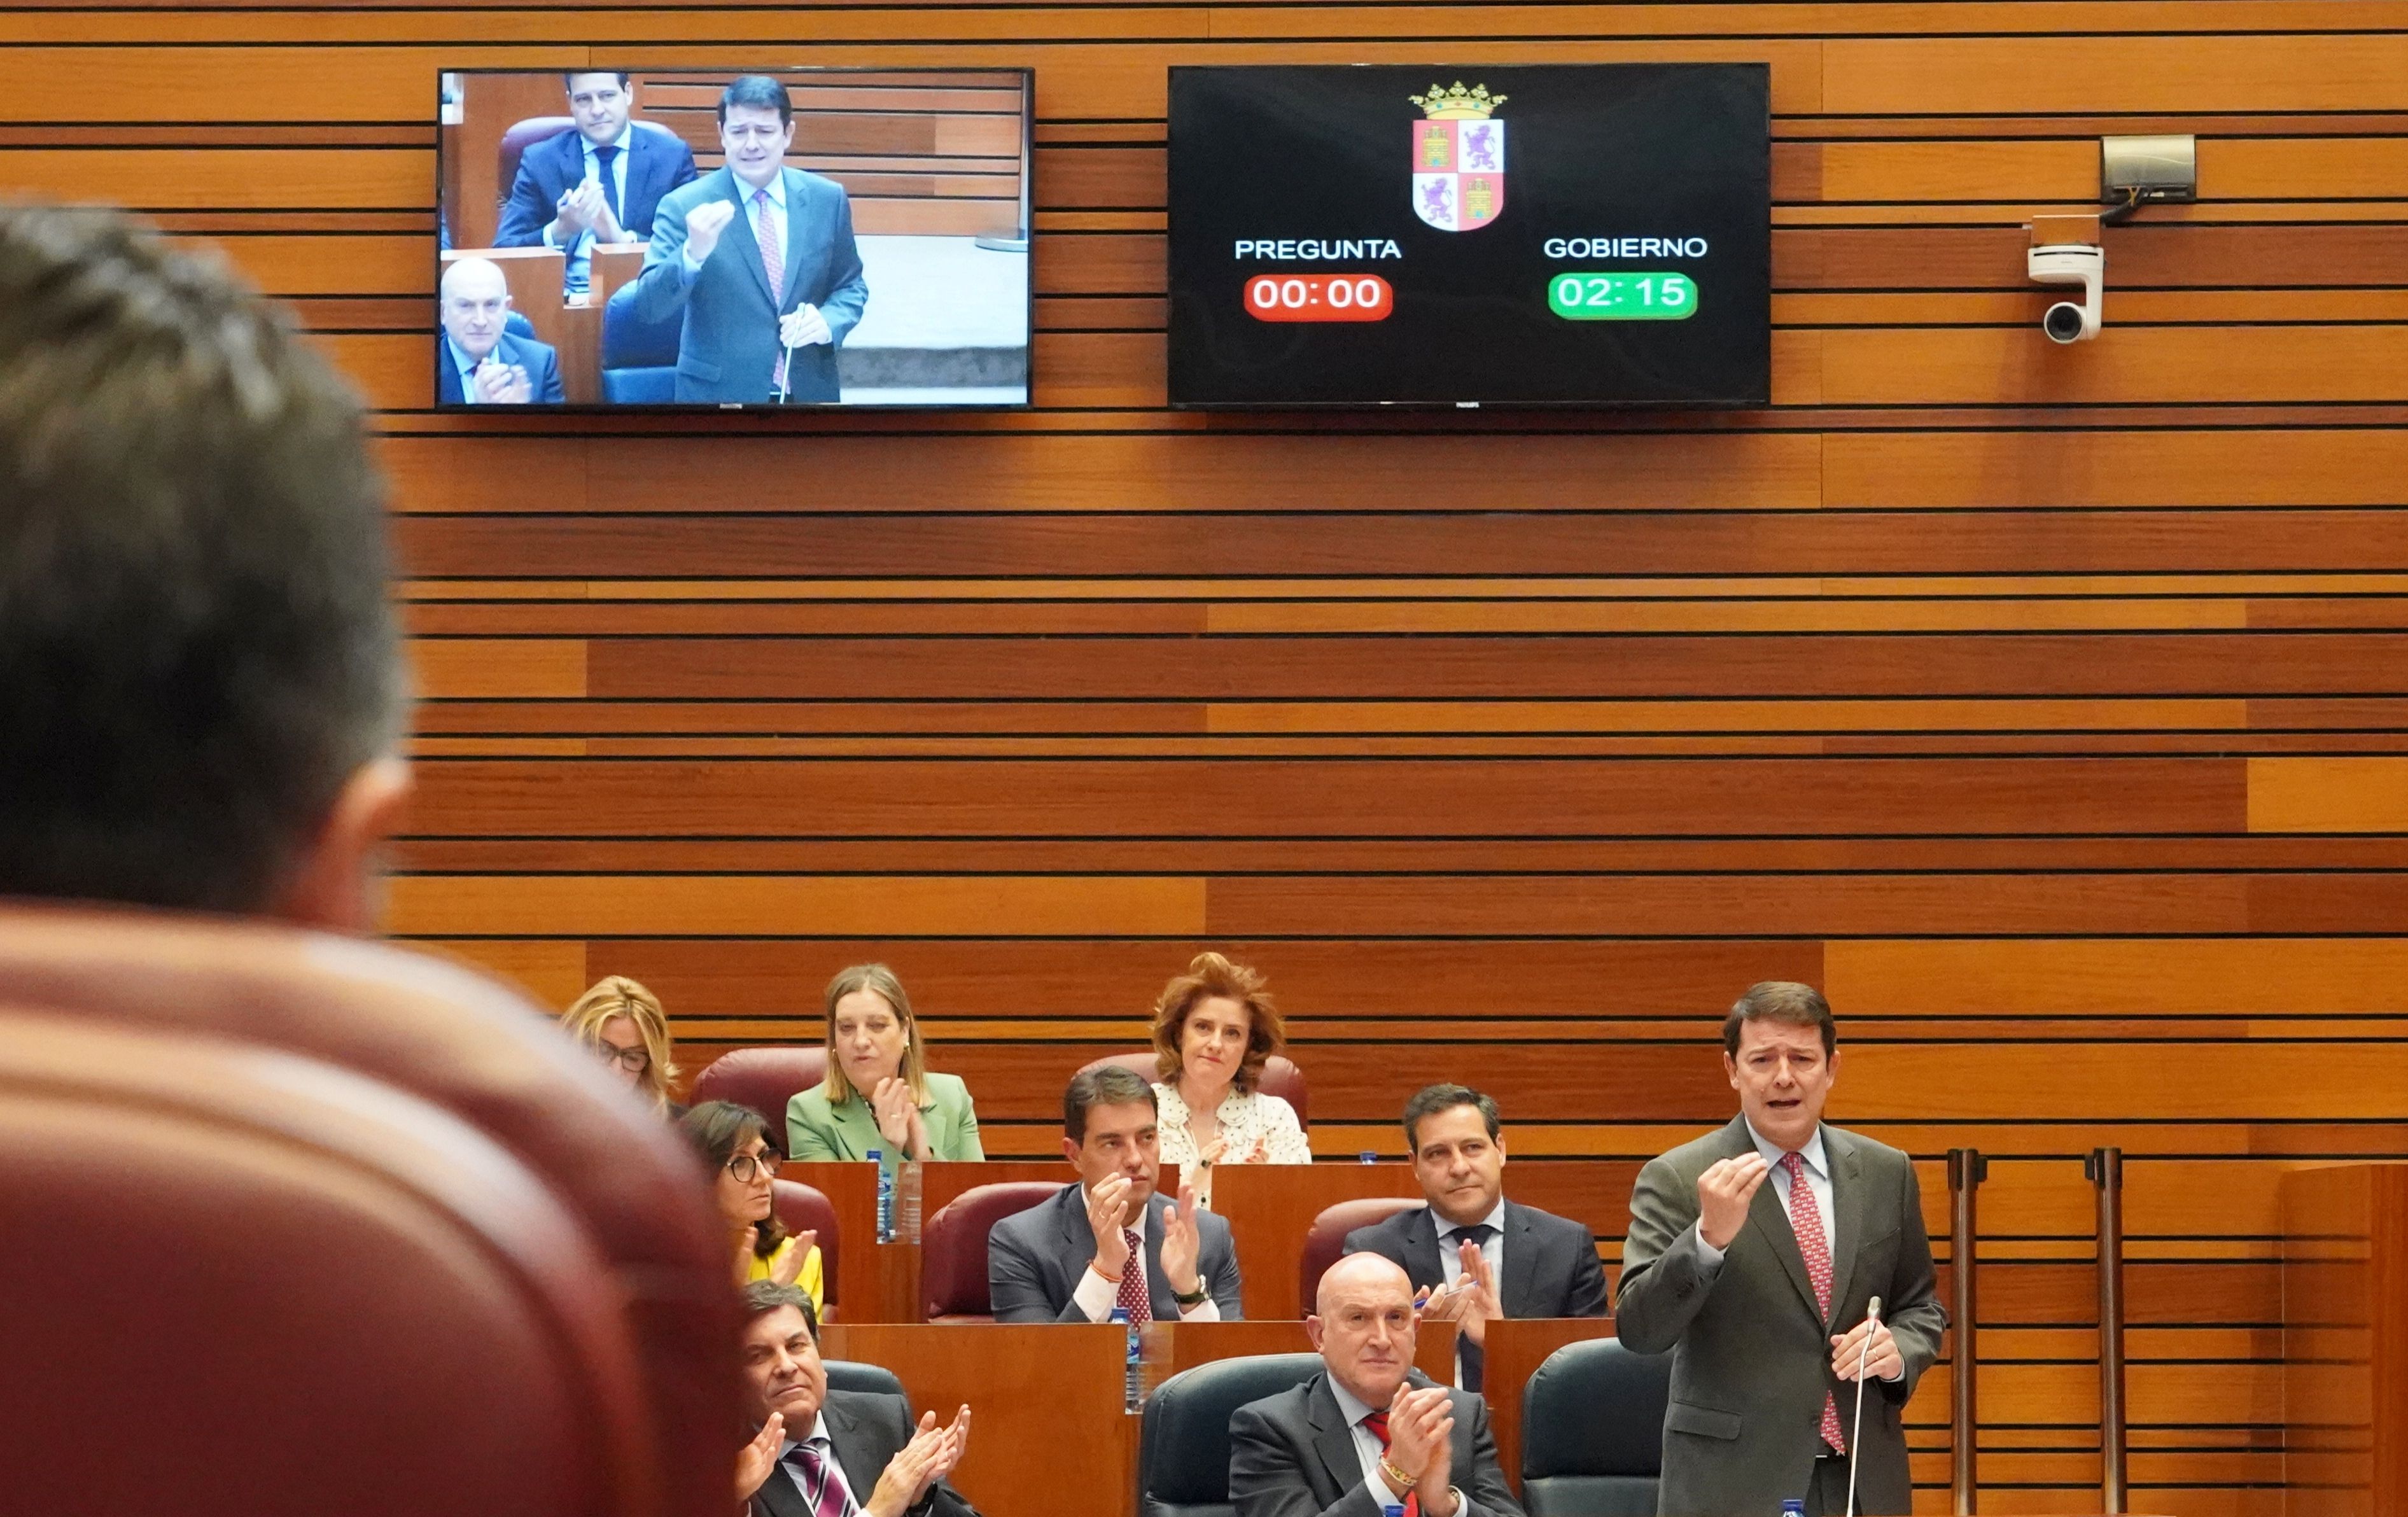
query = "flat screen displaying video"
{"x": 733, "y": 237}
{"x": 1592, "y": 235}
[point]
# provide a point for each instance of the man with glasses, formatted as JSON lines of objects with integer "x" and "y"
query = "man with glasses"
{"x": 760, "y": 258}
{"x": 600, "y": 182}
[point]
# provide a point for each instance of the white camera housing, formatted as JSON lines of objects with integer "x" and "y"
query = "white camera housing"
{"x": 2071, "y": 262}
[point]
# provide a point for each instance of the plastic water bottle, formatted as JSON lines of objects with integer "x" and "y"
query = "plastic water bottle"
{"x": 885, "y": 1197}
{"x": 1793, "y": 1509}
{"x": 1369, "y": 1156}
{"x": 1133, "y": 1384}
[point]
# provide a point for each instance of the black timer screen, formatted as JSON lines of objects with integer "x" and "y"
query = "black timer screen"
{"x": 1593, "y": 234}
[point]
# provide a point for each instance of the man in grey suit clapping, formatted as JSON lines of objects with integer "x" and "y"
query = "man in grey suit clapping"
{"x": 1754, "y": 1252}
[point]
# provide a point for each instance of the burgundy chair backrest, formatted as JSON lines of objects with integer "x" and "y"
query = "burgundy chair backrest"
{"x": 807, "y": 1208}
{"x": 402, "y": 1225}
{"x": 1325, "y": 1241}
{"x": 764, "y": 1079}
{"x": 518, "y": 139}
{"x": 1280, "y": 1077}
{"x": 953, "y": 1248}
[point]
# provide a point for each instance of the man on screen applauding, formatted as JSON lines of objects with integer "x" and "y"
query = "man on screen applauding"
{"x": 477, "y": 362}
{"x": 760, "y": 258}
{"x": 600, "y": 182}
{"x": 1754, "y": 1252}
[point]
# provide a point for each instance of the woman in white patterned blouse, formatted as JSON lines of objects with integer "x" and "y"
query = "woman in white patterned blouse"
{"x": 1214, "y": 1029}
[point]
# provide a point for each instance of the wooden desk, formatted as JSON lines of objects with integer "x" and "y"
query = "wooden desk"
{"x": 2345, "y": 1340}
{"x": 1515, "y": 1351}
{"x": 876, "y": 1281}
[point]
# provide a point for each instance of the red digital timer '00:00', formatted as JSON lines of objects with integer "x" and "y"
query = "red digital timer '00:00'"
{"x": 1320, "y": 297}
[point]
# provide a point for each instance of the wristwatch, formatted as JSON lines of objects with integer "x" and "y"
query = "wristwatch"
{"x": 1203, "y": 1293}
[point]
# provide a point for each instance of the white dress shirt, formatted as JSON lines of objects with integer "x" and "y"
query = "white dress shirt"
{"x": 465, "y": 367}
{"x": 818, "y": 1434}
{"x": 1097, "y": 1296}
{"x": 580, "y": 255}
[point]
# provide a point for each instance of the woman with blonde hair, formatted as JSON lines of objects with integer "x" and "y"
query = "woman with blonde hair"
{"x": 1214, "y": 1029}
{"x": 879, "y": 1093}
{"x": 623, "y": 1022}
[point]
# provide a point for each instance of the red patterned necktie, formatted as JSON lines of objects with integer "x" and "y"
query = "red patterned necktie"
{"x": 1378, "y": 1422}
{"x": 1806, "y": 1221}
{"x": 826, "y": 1496}
{"x": 773, "y": 263}
{"x": 1134, "y": 1299}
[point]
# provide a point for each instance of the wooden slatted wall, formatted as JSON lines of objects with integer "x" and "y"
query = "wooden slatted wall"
{"x": 2044, "y": 705}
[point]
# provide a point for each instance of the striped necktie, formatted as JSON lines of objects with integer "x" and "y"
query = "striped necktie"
{"x": 773, "y": 263}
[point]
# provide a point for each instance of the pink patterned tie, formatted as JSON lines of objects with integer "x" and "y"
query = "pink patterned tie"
{"x": 1134, "y": 1299}
{"x": 773, "y": 263}
{"x": 1806, "y": 1219}
{"x": 826, "y": 1497}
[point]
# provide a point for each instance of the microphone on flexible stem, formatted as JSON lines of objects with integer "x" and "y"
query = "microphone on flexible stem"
{"x": 1856, "y": 1437}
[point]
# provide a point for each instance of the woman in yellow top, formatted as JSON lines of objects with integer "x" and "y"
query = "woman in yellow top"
{"x": 879, "y": 1093}
{"x": 734, "y": 1140}
{"x": 622, "y": 1023}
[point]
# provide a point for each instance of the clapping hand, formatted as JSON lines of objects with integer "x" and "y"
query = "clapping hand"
{"x": 1471, "y": 1300}
{"x": 789, "y": 1266}
{"x": 899, "y": 1117}
{"x": 703, "y": 226}
{"x": 583, "y": 208}
{"x": 503, "y": 385}
{"x": 918, "y": 1465}
{"x": 1106, "y": 1203}
{"x": 1421, "y": 1442}
{"x": 757, "y": 1459}
{"x": 803, "y": 326}
{"x": 1724, "y": 1192}
{"x": 1181, "y": 1243}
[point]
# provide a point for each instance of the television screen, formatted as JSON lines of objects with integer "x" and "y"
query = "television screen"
{"x": 1595, "y": 235}
{"x": 726, "y": 237}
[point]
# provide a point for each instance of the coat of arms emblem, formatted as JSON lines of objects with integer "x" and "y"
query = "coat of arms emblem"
{"x": 1458, "y": 158}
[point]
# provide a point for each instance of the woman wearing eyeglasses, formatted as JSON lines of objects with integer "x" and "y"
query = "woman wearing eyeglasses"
{"x": 734, "y": 1141}
{"x": 623, "y": 1022}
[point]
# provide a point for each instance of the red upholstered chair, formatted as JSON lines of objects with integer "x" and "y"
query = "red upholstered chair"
{"x": 953, "y": 1248}
{"x": 764, "y": 1079}
{"x": 1280, "y": 1077}
{"x": 367, "y": 1220}
{"x": 517, "y": 141}
{"x": 807, "y": 1208}
{"x": 1325, "y": 1241}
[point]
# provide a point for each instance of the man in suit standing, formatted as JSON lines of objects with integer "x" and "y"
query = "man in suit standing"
{"x": 600, "y": 182}
{"x": 1098, "y": 1244}
{"x": 1368, "y": 1431}
{"x": 1473, "y": 1254}
{"x": 1759, "y": 1289}
{"x": 760, "y": 258}
{"x": 817, "y": 1453}
{"x": 478, "y": 360}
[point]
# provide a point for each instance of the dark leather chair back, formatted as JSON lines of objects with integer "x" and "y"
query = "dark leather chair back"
{"x": 639, "y": 358}
{"x": 953, "y": 1248}
{"x": 764, "y": 1079}
{"x": 1593, "y": 1431}
{"x": 516, "y": 141}
{"x": 1280, "y": 1077}
{"x": 807, "y": 1208}
{"x": 852, "y": 1375}
{"x": 1325, "y": 1241}
{"x": 382, "y": 1235}
{"x": 1184, "y": 1449}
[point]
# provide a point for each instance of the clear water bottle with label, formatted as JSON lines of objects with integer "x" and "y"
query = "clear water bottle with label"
{"x": 1133, "y": 1385}
{"x": 885, "y": 1197}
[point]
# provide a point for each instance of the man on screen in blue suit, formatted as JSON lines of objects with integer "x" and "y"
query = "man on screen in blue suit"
{"x": 600, "y": 182}
{"x": 761, "y": 260}
{"x": 477, "y": 362}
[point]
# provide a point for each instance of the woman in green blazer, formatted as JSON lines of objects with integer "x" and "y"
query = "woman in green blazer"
{"x": 878, "y": 1093}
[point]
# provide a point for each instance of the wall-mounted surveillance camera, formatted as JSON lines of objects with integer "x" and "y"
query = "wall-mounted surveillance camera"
{"x": 2065, "y": 250}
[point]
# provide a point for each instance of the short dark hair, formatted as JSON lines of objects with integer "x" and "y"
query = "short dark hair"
{"x": 1430, "y": 1100}
{"x": 198, "y": 644}
{"x": 763, "y": 1297}
{"x": 568, "y": 80}
{"x": 1107, "y": 1084}
{"x": 1783, "y": 1001}
{"x": 756, "y": 89}
{"x": 717, "y": 1129}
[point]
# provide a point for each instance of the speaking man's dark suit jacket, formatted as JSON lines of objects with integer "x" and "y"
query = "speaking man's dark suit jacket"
{"x": 657, "y": 162}
{"x": 729, "y": 349}
{"x": 1751, "y": 1354}
{"x": 1550, "y": 1264}
{"x": 867, "y": 1430}
{"x": 1034, "y": 1259}
{"x": 1292, "y": 1455}
{"x": 541, "y": 362}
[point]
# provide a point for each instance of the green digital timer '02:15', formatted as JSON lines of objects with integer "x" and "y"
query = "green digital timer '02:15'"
{"x": 1621, "y": 297}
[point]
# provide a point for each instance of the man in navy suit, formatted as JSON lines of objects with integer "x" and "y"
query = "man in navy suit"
{"x": 477, "y": 360}
{"x": 599, "y": 183}
{"x": 761, "y": 260}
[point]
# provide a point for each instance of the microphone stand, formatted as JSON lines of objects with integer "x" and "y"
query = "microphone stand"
{"x": 1856, "y": 1437}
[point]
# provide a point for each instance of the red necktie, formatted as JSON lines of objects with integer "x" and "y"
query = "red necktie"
{"x": 1134, "y": 1299}
{"x": 1806, "y": 1221}
{"x": 773, "y": 263}
{"x": 1378, "y": 1422}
